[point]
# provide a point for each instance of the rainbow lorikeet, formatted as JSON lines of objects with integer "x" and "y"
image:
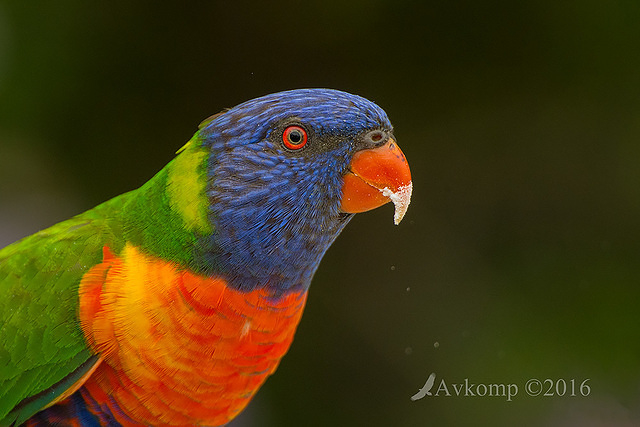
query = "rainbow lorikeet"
{"x": 171, "y": 304}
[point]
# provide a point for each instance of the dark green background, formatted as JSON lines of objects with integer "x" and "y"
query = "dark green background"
{"x": 521, "y": 121}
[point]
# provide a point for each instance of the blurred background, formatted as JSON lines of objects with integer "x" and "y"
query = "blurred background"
{"x": 517, "y": 259}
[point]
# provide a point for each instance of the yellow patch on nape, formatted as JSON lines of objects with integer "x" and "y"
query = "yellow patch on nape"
{"x": 186, "y": 186}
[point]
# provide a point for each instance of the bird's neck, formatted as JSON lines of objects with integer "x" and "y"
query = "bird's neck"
{"x": 261, "y": 236}
{"x": 168, "y": 216}
{"x": 273, "y": 216}
{"x": 267, "y": 247}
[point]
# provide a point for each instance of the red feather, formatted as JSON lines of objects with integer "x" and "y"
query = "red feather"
{"x": 179, "y": 348}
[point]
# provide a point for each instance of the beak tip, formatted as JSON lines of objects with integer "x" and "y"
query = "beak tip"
{"x": 401, "y": 199}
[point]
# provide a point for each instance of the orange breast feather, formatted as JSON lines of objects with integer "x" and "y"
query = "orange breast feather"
{"x": 178, "y": 348}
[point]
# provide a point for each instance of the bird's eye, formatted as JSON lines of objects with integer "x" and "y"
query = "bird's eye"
{"x": 294, "y": 137}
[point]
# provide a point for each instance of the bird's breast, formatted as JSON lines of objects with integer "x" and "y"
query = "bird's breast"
{"x": 178, "y": 348}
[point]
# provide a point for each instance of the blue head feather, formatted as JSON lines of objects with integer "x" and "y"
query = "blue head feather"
{"x": 275, "y": 212}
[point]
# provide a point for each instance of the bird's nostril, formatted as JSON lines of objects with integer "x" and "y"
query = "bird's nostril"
{"x": 376, "y": 137}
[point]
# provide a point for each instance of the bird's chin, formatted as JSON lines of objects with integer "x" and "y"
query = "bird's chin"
{"x": 344, "y": 217}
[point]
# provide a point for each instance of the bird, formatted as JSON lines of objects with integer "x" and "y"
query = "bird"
{"x": 426, "y": 389}
{"x": 171, "y": 304}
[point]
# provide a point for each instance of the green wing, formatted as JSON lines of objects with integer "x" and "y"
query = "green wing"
{"x": 42, "y": 348}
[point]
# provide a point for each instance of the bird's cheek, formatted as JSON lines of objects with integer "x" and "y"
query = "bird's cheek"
{"x": 377, "y": 176}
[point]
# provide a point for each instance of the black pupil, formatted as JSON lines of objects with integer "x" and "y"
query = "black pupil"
{"x": 295, "y": 136}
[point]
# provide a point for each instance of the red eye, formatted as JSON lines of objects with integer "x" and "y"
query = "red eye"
{"x": 294, "y": 137}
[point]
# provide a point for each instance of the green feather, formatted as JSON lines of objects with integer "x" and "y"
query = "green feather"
{"x": 42, "y": 347}
{"x": 186, "y": 185}
{"x": 41, "y": 337}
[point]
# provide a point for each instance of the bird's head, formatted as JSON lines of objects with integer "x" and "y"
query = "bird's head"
{"x": 286, "y": 172}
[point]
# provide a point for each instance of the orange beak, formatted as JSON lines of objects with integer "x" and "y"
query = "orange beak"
{"x": 378, "y": 176}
